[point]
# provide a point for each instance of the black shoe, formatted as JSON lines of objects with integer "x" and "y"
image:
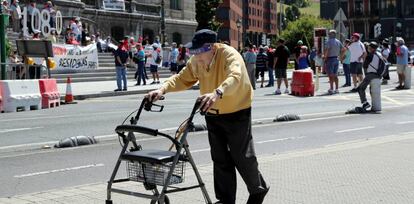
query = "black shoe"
{"x": 158, "y": 82}
{"x": 257, "y": 198}
{"x": 354, "y": 90}
{"x": 345, "y": 85}
{"x": 399, "y": 87}
{"x": 154, "y": 82}
{"x": 137, "y": 84}
{"x": 261, "y": 86}
{"x": 116, "y": 90}
{"x": 124, "y": 89}
{"x": 366, "y": 105}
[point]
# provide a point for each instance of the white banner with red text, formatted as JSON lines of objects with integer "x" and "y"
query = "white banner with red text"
{"x": 75, "y": 57}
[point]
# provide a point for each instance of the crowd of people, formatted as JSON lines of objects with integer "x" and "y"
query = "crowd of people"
{"x": 142, "y": 55}
{"x": 356, "y": 57}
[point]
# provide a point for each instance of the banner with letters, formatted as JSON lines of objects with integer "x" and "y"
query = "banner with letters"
{"x": 118, "y": 5}
{"x": 75, "y": 57}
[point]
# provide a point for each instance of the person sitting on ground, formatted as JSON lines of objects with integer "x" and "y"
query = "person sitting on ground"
{"x": 371, "y": 65}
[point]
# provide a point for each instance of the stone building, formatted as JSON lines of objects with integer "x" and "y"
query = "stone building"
{"x": 137, "y": 18}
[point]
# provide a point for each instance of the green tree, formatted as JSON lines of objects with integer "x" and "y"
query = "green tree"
{"x": 206, "y": 14}
{"x": 302, "y": 29}
{"x": 292, "y": 13}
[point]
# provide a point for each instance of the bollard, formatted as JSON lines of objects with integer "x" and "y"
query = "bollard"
{"x": 407, "y": 73}
{"x": 375, "y": 88}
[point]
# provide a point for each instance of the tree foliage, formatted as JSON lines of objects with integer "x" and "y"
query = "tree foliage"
{"x": 205, "y": 14}
{"x": 292, "y": 13}
{"x": 302, "y": 29}
{"x": 298, "y": 3}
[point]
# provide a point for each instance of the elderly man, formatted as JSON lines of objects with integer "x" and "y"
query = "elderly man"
{"x": 224, "y": 86}
{"x": 333, "y": 49}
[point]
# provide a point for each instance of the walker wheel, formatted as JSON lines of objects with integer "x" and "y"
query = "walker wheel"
{"x": 166, "y": 200}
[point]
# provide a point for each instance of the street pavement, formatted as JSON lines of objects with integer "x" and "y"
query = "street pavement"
{"x": 379, "y": 170}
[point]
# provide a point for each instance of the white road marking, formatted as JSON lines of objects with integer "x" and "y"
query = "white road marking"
{"x": 19, "y": 129}
{"x": 200, "y": 150}
{"x": 279, "y": 140}
{"x": 355, "y": 129}
{"x": 404, "y": 122}
{"x": 58, "y": 170}
{"x": 393, "y": 101}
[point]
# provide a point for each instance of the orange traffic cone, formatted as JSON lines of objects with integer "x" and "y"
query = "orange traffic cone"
{"x": 68, "y": 96}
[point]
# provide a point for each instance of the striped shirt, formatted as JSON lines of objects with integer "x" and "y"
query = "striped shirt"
{"x": 261, "y": 61}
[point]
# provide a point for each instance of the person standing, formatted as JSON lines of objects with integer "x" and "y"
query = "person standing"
{"x": 371, "y": 65}
{"x": 174, "y": 58}
{"x": 303, "y": 60}
{"x": 30, "y": 10}
{"x": 261, "y": 65}
{"x": 296, "y": 51}
{"x": 346, "y": 60}
{"x": 385, "y": 52}
{"x": 402, "y": 62}
{"x": 281, "y": 59}
{"x": 121, "y": 60}
{"x": 251, "y": 63}
{"x": 270, "y": 57}
{"x": 333, "y": 49}
{"x": 224, "y": 86}
{"x": 16, "y": 15}
{"x": 140, "y": 60}
{"x": 155, "y": 62}
{"x": 182, "y": 58}
{"x": 358, "y": 54}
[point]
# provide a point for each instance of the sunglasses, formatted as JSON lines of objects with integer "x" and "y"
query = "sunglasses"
{"x": 200, "y": 50}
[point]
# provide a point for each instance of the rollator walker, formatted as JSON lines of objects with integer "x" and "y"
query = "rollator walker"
{"x": 155, "y": 168}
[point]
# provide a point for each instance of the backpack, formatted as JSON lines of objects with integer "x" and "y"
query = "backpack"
{"x": 158, "y": 59}
{"x": 382, "y": 65}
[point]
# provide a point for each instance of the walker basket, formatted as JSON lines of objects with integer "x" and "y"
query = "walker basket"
{"x": 153, "y": 173}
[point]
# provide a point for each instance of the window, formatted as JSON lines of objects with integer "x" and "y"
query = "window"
{"x": 359, "y": 8}
{"x": 388, "y": 7}
{"x": 408, "y": 8}
{"x": 175, "y": 4}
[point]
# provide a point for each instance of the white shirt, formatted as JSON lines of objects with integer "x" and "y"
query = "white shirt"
{"x": 356, "y": 49}
{"x": 386, "y": 53}
{"x": 154, "y": 57}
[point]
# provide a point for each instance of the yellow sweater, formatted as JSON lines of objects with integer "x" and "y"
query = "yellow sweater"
{"x": 227, "y": 73}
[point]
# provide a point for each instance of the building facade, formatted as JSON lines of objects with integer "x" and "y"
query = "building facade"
{"x": 258, "y": 21}
{"x": 139, "y": 18}
{"x": 388, "y": 18}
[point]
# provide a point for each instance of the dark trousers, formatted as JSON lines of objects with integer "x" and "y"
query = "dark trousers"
{"x": 364, "y": 84}
{"x": 232, "y": 148}
{"x": 140, "y": 73}
{"x": 347, "y": 74}
{"x": 387, "y": 72}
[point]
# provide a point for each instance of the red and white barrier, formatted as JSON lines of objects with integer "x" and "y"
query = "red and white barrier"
{"x": 49, "y": 92}
{"x": 21, "y": 94}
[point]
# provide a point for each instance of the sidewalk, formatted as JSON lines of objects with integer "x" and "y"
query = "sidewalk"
{"x": 377, "y": 170}
{"x": 84, "y": 90}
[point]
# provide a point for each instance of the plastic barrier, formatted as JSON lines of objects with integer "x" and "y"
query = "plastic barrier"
{"x": 49, "y": 92}
{"x": 407, "y": 73}
{"x": 302, "y": 83}
{"x": 21, "y": 95}
{"x": 375, "y": 88}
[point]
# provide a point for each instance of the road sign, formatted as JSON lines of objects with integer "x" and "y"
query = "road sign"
{"x": 340, "y": 15}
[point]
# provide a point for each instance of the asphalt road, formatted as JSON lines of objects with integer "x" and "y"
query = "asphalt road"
{"x": 99, "y": 117}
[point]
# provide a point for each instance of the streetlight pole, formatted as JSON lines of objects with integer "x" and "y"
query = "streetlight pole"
{"x": 3, "y": 18}
{"x": 162, "y": 21}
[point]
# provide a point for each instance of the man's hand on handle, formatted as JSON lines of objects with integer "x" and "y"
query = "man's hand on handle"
{"x": 207, "y": 101}
{"x": 155, "y": 95}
